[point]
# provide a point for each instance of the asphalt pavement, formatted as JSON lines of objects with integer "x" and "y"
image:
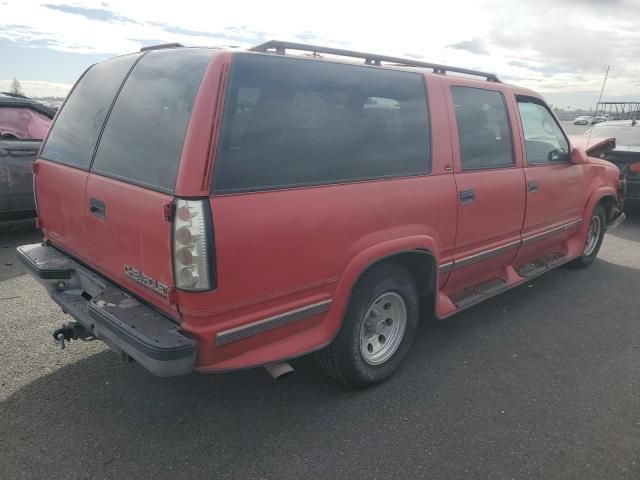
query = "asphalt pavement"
{"x": 542, "y": 382}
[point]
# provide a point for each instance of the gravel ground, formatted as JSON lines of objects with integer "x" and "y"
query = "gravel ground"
{"x": 541, "y": 382}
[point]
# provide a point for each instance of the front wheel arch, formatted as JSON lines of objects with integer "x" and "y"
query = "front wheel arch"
{"x": 609, "y": 204}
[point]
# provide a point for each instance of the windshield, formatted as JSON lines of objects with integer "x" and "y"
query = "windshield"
{"x": 627, "y": 136}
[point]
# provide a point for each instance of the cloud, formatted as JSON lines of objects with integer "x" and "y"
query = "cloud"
{"x": 99, "y": 14}
{"x": 548, "y": 45}
{"x": 39, "y": 88}
{"x": 475, "y": 45}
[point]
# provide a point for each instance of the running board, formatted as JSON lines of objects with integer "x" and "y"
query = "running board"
{"x": 540, "y": 266}
{"x": 478, "y": 293}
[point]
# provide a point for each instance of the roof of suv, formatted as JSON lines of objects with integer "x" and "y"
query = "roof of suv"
{"x": 330, "y": 54}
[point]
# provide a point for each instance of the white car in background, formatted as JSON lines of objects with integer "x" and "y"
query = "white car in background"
{"x": 583, "y": 120}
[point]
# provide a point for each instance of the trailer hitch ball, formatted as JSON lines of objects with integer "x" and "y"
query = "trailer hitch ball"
{"x": 71, "y": 331}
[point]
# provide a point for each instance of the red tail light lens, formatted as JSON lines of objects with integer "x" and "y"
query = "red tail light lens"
{"x": 185, "y": 256}
{"x": 634, "y": 167}
{"x": 184, "y": 236}
{"x": 193, "y": 246}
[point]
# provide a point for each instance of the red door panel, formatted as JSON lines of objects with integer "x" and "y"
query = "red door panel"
{"x": 555, "y": 195}
{"x": 555, "y": 202}
{"x": 492, "y": 220}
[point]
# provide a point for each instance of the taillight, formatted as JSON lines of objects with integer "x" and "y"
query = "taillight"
{"x": 634, "y": 167}
{"x": 193, "y": 246}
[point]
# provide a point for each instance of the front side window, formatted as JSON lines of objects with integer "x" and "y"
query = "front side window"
{"x": 22, "y": 124}
{"x": 484, "y": 135}
{"x": 292, "y": 122}
{"x": 543, "y": 137}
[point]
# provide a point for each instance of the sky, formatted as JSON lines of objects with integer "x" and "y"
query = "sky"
{"x": 560, "y": 48}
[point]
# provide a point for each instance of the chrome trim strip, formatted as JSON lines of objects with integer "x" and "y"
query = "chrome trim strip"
{"x": 261, "y": 326}
{"x": 551, "y": 232}
{"x": 446, "y": 267}
{"x": 494, "y": 252}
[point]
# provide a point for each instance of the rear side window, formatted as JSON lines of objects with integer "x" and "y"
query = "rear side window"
{"x": 74, "y": 134}
{"x": 484, "y": 135}
{"x": 291, "y": 122}
{"x": 143, "y": 138}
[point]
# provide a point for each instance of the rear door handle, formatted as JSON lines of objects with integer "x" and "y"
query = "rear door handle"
{"x": 467, "y": 196}
{"x": 532, "y": 186}
{"x": 97, "y": 208}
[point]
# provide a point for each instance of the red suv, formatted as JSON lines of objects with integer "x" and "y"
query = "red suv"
{"x": 213, "y": 210}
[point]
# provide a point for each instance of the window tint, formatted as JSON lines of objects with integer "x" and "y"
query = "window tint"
{"x": 291, "y": 122}
{"x": 143, "y": 137}
{"x": 484, "y": 135}
{"x": 23, "y": 124}
{"x": 74, "y": 134}
{"x": 543, "y": 137}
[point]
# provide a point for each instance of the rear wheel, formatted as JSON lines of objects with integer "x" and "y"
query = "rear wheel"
{"x": 595, "y": 235}
{"x": 377, "y": 330}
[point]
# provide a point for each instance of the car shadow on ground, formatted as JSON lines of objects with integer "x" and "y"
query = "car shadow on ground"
{"x": 101, "y": 418}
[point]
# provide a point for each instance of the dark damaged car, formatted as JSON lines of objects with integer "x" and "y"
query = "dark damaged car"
{"x": 23, "y": 124}
{"x": 624, "y": 152}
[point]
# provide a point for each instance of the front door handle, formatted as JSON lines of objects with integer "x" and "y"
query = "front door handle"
{"x": 532, "y": 186}
{"x": 97, "y": 208}
{"x": 467, "y": 196}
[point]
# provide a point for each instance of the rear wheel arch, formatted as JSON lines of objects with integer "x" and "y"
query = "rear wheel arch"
{"x": 419, "y": 262}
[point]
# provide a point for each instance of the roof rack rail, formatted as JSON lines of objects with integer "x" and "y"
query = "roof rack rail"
{"x": 280, "y": 48}
{"x": 161, "y": 46}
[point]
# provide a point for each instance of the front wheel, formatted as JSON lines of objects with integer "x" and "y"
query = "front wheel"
{"x": 595, "y": 235}
{"x": 377, "y": 330}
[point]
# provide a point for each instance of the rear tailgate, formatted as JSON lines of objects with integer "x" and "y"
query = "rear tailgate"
{"x": 119, "y": 228}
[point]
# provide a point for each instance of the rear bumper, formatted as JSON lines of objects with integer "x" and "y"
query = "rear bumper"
{"x": 111, "y": 314}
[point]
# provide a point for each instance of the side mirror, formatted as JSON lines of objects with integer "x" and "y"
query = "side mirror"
{"x": 578, "y": 156}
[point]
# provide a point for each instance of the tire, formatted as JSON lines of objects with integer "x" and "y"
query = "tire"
{"x": 357, "y": 355}
{"x": 594, "y": 239}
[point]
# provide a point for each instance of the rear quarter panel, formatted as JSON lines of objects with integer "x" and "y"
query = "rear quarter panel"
{"x": 280, "y": 250}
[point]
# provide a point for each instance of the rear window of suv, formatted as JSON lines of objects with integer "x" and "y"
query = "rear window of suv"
{"x": 142, "y": 140}
{"x": 73, "y": 137}
{"x": 296, "y": 122}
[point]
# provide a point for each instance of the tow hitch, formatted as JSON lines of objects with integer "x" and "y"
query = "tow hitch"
{"x": 71, "y": 331}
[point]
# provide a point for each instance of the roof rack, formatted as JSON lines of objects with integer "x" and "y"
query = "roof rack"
{"x": 161, "y": 46}
{"x": 280, "y": 48}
